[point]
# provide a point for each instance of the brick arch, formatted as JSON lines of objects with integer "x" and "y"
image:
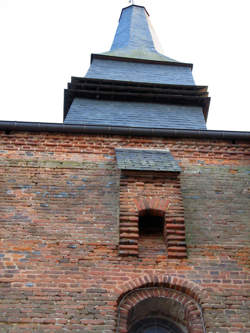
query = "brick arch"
{"x": 129, "y": 222}
{"x": 191, "y": 318}
{"x": 173, "y": 282}
{"x": 173, "y": 232}
{"x": 187, "y": 294}
{"x": 155, "y": 204}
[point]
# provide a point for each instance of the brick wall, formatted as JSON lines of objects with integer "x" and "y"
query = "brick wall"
{"x": 60, "y": 268}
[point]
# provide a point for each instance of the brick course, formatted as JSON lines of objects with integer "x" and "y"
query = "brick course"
{"x": 60, "y": 268}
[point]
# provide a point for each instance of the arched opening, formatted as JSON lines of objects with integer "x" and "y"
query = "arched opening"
{"x": 157, "y": 315}
{"x": 171, "y": 303}
{"x": 151, "y": 232}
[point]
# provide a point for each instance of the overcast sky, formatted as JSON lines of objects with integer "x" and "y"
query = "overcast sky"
{"x": 45, "y": 42}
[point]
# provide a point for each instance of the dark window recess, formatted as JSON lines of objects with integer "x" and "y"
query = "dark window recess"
{"x": 150, "y": 224}
{"x": 155, "y": 325}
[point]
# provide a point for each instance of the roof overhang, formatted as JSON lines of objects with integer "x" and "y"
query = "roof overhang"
{"x": 9, "y": 126}
{"x": 136, "y": 92}
{"x": 141, "y": 60}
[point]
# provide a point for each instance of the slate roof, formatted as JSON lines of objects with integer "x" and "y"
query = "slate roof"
{"x": 84, "y": 111}
{"x": 135, "y": 36}
{"x": 140, "y": 72}
{"x": 146, "y": 160}
{"x": 135, "y": 54}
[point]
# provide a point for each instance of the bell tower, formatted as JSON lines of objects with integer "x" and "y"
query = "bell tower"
{"x": 135, "y": 86}
{"x": 130, "y": 216}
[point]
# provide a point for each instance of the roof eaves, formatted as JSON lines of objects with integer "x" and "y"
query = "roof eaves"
{"x": 141, "y": 60}
{"x": 124, "y": 131}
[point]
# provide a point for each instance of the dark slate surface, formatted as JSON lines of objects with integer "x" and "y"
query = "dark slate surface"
{"x": 148, "y": 160}
{"x": 140, "y": 72}
{"x": 132, "y": 114}
{"x": 135, "y": 37}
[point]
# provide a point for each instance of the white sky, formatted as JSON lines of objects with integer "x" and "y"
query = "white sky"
{"x": 45, "y": 42}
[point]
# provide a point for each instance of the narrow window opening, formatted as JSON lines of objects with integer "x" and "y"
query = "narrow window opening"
{"x": 151, "y": 227}
{"x": 150, "y": 224}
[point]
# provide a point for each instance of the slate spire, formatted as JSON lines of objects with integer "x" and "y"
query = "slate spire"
{"x": 135, "y": 54}
{"x": 135, "y": 86}
{"x": 135, "y": 36}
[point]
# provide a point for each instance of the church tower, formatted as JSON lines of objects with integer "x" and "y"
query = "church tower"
{"x": 130, "y": 216}
{"x": 133, "y": 87}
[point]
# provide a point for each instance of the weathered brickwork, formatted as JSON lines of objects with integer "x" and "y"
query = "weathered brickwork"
{"x": 159, "y": 193}
{"x": 60, "y": 267}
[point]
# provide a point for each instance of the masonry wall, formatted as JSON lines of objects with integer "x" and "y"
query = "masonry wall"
{"x": 60, "y": 268}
